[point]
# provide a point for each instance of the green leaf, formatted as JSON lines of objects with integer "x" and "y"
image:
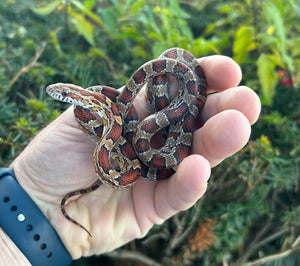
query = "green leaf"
{"x": 295, "y": 47}
{"x": 23, "y": 122}
{"x": 243, "y": 43}
{"x": 176, "y": 9}
{"x": 158, "y": 48}
{"x": 89, "y": 4}
{"x": 54, "y": 41}
{"x": 277, "y": 19}
{"x": 86, "y": 11}
{"x": 296, "y": 7}
{"x": 201, "y": 46}
{"x": 267, "y": 77}
{"x": 275, "y": 15}
{"x": 84, "y": 27}
{"x": 137, "y": 6}
{"x": 46, "y": 10}
{"x": 96, "y": 53}
{"x": 110, "y": 21}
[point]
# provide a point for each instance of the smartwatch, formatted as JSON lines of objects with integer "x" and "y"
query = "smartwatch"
{"x": 27, "y": 226}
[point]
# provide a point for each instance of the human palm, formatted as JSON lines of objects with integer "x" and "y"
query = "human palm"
{"x": 60, "y": 160}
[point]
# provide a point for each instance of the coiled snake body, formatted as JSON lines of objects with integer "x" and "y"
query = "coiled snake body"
{"x": 125, "y": 149}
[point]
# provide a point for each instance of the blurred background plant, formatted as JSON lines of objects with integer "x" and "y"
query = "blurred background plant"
{"x": 250, "y": 214}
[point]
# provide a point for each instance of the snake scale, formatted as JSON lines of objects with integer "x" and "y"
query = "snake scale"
{"x": 125, "y": 147}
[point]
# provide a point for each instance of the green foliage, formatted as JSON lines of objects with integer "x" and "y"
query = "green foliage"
{"x": 252, "y": 203}
{"x": 267, "y": 76}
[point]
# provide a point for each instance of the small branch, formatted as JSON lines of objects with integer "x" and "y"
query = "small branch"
{"x": 33, "y": 63}
{"x": 110, "y": 66}
{"x": 274, "y": 257}
{"x": 258, "y": 236}
{"x": 132, "y": 255}
{"x": 3, "y": 132}
{"x": 268, "y": 239}
{"x": 156, "y": 236}
{"x": 271, "y": 238}
{"x": 296, "y": 242}
{"x": 171, "y": 262}
{"x": 253, "y": 243}
{"x": 179, "y": 238}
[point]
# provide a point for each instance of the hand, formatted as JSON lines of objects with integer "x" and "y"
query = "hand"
{"x": 59, "y": 160}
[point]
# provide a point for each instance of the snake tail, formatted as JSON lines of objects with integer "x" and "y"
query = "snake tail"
{"x": 89, "y": 189}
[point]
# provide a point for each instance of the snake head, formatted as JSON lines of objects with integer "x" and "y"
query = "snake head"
{"x": 65, "y": 92}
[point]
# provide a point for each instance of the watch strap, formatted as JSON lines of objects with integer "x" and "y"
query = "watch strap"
{"x": 27, "y": 226}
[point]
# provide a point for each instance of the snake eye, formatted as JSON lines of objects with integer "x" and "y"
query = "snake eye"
{"x": 64, "y": 93}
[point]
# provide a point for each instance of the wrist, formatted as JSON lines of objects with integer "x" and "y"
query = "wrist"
{"x": 10, "y": 254}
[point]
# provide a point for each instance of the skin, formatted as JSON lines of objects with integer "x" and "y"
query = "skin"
{"x": 59, "y": 160}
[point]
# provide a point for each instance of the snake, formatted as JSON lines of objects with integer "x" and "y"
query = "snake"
{"x": 124, "y": 145}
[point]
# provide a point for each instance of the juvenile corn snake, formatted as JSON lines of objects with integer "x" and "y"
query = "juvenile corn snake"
{"x": 124, "y": 149}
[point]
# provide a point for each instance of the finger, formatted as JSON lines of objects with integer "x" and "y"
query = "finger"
{"x": 242, "y": 99}
{"x": 221, "y": 72}
{"x": 221, "y": 136}
{"x": 184, "y": 188}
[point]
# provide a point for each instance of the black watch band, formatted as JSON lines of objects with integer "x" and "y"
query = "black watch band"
{"x": 27, "y": 226}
